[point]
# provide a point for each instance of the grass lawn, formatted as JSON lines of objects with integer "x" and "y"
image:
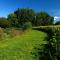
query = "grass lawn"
{"x": 20, "y": 47}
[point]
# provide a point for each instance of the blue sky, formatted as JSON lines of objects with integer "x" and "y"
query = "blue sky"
{"x": 50, "y": 6}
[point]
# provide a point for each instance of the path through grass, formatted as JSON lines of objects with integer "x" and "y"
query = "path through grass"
{"x": 20, "y": 47}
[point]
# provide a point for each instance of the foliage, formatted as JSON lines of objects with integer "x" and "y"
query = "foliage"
{"x": 2, "y": 34}
{"x": 12, "y": 18}
{"x": 25, "y": 15}
{"x": 20, "y": 47}
{"x": 15, "y": 32}
{"x": 21, "y": 16}
{"x": 57, "y": 23}
{"x": 27, "y": 25}
{"x": 51, "y": 50}
{"x": 4, "y": 23}
{"x": 44, "y": 18}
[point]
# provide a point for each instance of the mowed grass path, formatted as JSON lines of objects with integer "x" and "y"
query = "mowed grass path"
{"x": 20, "y": 47}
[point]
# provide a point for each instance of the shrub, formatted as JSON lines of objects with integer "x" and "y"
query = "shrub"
{"x": 57, "y": 23}
{"x": 51, "y": 50}
{"x": 4, "y": 23}
{"x": 27, "y": 25}
{"x": 2, "y": 34}
{"x": 15, "y": 32}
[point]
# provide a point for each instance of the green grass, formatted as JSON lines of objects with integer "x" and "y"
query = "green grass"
{"x": 20, "y": 47}
{"x": 49, "y": 26}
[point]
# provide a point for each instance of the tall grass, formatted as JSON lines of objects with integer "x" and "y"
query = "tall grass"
{"x": 2, "y": 34}
{"x": 10, "y": 32}
{"x": 20, "y": 47}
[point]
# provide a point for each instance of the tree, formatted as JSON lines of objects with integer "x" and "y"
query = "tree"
{"x": 44, "y": 18}
{"x": 57, "y": 23}
{"x": 27, "y": 25}
{"x": 4, "y": 23}
{"x": 21, "y": 16}
{"x": 12, "y": 18}
{"x": 25, "y": 15}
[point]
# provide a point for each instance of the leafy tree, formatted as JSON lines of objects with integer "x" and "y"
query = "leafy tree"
{"x": 27, "y": 25}
{"x": 57, "y": 23}
{"x": 12, "y": 18}
{"x": 44, "y": 18}
{"x": 21, "y": 16}
{"x": 25, "y": 15}
{"x": 4, "y": 23}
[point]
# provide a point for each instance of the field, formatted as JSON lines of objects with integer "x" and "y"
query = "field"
{"x": 20, "y": 47}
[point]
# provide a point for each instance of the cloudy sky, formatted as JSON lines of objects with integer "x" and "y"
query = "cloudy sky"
{"x": 50, "y": 6}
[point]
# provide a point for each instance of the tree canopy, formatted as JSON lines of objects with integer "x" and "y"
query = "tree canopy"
{"x": 57, "y": 23}
{"x": 25, "y": 15}
{"x": 4, "y": 22}
{"x": 21, "y": 16}
{"x": 44, "y": 18}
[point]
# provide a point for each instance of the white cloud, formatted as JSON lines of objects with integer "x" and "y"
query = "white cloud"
{"x": 56, "y": 18}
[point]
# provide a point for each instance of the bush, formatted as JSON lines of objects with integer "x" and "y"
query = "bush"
{"x": 4, "y": 23}
{"x": 27, "y": 25}
{"x": 14, "y": 32}
{"x": 2, "y": 34}
{"x": 51, "y": 50}
{"x": 57, "y": 23}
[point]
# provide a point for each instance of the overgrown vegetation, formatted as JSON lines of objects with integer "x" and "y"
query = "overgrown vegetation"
{"x": 18, "y": 41}
{"x": 51, "y": 50}
{"x": 20, "y": 47}
{"x": 21, "y": 16}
